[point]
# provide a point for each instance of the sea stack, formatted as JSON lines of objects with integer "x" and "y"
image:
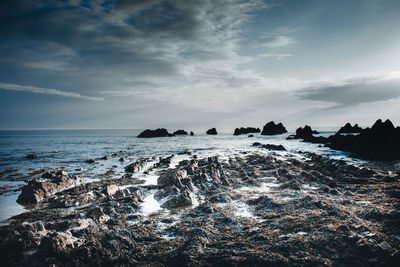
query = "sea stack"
{"x": 273, "y": 129}
{"x": 212, "y": 131}
{"x": 161, "y": 132}
{"x": 242, "y": 130}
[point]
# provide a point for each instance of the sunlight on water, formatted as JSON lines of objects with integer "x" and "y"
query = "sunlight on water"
{"x": 149, "y": 205}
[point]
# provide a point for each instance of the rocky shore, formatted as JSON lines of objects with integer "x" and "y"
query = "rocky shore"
{"x": 252, "y": 209}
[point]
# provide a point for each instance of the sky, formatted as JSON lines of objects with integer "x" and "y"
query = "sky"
{"x": 87, "y": 64}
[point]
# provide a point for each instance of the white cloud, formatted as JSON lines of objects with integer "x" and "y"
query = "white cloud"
{"x": 38, "y": 90}
{"x": 278, "y": 41}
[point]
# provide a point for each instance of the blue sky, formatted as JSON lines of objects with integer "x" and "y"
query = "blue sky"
{"x": 195, "y": 64}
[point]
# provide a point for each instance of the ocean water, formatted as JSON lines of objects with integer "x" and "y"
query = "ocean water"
{"x": 69, "y": 150}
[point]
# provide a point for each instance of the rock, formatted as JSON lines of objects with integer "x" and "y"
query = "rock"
{"x": 307, "y": 134}
{"x": 106, "y": 157}
{"x": 180, "y": 132}
{"x": 250, "y": 135}
{"x": 31, "y": 156}
{"x": 136, "y": 166}
{"x": 111, "y": 189}
{"x": 347, "y": 128}
{"x": 161, "y": 132}
{"x": 242, "y": 130}
{"x": 212, "y": 131}
{"x": 38, "y": 189}
{"x": 273, "y": 129}
{"x": 171, "y": 177}
{"x": 191, "y": 133}
{"x": 185, "y": 198}
{"x": 90, "y": 161}
{"x": 121, "y": 159}
{"x": 381, "y": 142}
{"x": 270, "y": 146}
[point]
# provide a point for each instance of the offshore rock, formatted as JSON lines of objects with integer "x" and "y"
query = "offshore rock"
{"x": 31, "y": 156}
{"x": 212, "y": 131}
{"x": 273, "y": 129}
{"x": 180, "y": 132}
{"x": 242, "y": 130}
{"x": 161, "y": 132}
{"x": 347, "y": 128}
{"x": 307, "y": 134}
{"x": 381, "y": 142}
{"x": 270, "y": 146}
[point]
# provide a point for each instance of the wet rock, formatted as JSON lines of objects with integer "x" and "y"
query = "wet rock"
{"x": 31, "y": 156}
{"x": 161, "y": 132}
{"x": 90, "y": 161}
{"x": 270, "y": 146}
{"x": 273, "y": 129}
{"x": 180, "y": 132}
{"x": 121, "y": 159}
{"x": 136, "y": 166}
{"x": 171, "y": 177}
{"x": 242, "y": 130}
{"x": 212, "y": 131}
{"x": 106, "y": 157}
{"x": 191, "y": 133}
{"x": 38, "y": 189}
{"x": 184, "y": 198}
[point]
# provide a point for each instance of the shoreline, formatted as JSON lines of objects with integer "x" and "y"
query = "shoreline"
{"x": 254, "y": 208}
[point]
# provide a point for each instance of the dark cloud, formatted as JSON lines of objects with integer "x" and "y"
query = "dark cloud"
{"x": 354, "y": 92}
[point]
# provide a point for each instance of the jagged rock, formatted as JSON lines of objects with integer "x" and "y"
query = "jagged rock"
{"x": 212, "y": 131}
{"x": 111, "y": 189}
{"x": 184, "y": 198}
{"x": 106, "y": 157}
{"x": 242, "y": 130}
{"x": 270, "y": 146}
{"x": 161, "y": 132}
{"x": 38, "y": 189}
{"x": 347, "y": 128}
{"x": 307, "y": 134}
{"x": 136, "y": 166}
{"x": 171, "y": 177}
{"x": 381, "y": 142}
{"x": 273, "y": 129}
{"x": 180, "y": 132}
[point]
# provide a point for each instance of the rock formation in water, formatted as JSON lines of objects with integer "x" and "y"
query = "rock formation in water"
{"x": 270, "y": 146}
{"x": 180, "y": 132}
{"x": 347, "y": 128}
{"x": 307, "y": 134}
{"x": 161, "y": 132}
{"x": 273, "y": 129}
{"x": 242, "y": 130}
{"x": 212, "y": 131}
{"x": 381, "y": 141}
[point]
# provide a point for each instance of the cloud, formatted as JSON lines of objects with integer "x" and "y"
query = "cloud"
{"x": 354, "y": 91}
{"x": 38, "y": 90}
{"x": 278, "y": 41}
{"x": 275, "y": 56}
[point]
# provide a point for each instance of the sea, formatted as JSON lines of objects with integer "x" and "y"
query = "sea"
{"x": 70, "y": 149}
